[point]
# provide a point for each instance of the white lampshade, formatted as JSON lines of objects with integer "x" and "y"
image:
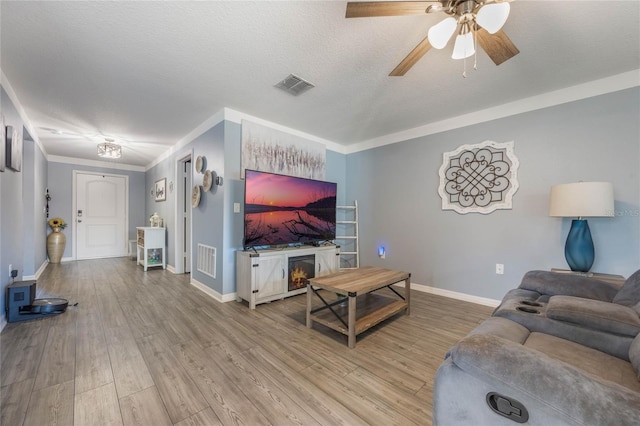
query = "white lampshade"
{"x": 440, "y": 33}
{"x": 492, "y": 16}
{"x": 464, "y": 46}
{"x": 582, "y": 199}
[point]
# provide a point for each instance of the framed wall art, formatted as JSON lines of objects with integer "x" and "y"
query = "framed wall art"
{"x": 3, "y": 143}
{"x": 13, "y": 148}
{"x": 479, "y": 178}
{"x": 160, "y": 190}
{"x": 269, "y": 150}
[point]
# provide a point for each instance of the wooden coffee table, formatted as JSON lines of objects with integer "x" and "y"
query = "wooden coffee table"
{"x": 363, "y": 309}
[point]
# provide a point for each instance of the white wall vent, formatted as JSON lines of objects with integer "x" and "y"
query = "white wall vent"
{"x": 206, "y": 262}
{"x": 294, "y": 85}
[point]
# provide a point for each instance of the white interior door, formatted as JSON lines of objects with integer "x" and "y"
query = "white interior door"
{"x": 101, "y": 215}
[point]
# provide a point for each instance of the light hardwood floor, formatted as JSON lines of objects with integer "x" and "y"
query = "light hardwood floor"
{"x": 149, "y": 349}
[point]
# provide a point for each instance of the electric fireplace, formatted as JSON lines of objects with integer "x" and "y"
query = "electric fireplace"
{"x": 301, "y": 268}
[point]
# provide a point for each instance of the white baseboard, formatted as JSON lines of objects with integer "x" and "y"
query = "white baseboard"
{"x": 222, "y": 298}
{"x": 3, "y": 322}
{"x": 453, "y": 294}
{"x": 171, "y": 269}
{"x": 67, "y": 259}
{"x": 38, "y": 272}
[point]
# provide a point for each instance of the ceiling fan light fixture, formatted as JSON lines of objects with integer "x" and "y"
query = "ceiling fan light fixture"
{"x": 108, "y": 149}
{"x": 464, "y": 46}
{"x": 440, "y": 33}
{"x": 493, "y": 16}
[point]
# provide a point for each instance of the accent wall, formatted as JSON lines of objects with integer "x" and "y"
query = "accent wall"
{"x": 594, "y": 139}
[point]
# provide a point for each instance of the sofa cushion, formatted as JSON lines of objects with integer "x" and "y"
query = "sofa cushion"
{"x": 589, "y": 360}
{"x": 502, "y": 327}
{"x": 634, "y": 355}
{"x": 629, "y": 294}
{"x": 595, "y": 314}
{"x": 555, "y": 283}
{"x": 538, "y": 381}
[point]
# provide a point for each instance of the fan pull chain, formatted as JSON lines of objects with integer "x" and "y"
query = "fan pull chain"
{"x": 475, "y": 54}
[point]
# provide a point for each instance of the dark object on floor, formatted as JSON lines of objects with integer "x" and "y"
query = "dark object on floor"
{"x": 22, "y": 305}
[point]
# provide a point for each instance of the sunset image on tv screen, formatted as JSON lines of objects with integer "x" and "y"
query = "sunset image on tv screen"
{"x": 285, "y": 209}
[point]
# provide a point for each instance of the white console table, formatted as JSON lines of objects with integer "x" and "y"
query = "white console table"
{"x": 151, "y": 247}
{"x": 263, "y": 276}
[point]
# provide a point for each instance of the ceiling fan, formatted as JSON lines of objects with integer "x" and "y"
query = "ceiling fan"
{"x": 472, "y": 20}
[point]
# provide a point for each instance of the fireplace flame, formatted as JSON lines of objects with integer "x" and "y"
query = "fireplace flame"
{"x": 298, "y": 277}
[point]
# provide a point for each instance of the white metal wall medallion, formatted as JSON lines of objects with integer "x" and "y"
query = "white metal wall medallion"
{"x": 479, "y": 178}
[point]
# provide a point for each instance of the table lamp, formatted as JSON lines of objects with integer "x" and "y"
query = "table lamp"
{"x": 581, "y": 199}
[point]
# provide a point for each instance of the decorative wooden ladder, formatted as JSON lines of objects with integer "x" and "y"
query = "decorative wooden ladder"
{"x": 347, "y": 236}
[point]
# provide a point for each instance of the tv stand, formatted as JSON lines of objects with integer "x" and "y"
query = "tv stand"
{"x": 265, "y": 275}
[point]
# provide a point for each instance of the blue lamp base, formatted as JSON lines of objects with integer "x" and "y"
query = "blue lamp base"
{"x": 579, "y": 250}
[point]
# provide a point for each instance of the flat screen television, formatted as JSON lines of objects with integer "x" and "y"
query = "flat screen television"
{"x": 285, "y": 210}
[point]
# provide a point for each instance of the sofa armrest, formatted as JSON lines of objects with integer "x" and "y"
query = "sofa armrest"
{"x": 553, "y": 283}
{"x": 546, "y": 382}
{"x": 595, "y": 314}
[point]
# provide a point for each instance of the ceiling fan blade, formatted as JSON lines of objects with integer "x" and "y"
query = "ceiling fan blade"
{"x": 388, "y": 8}
{"x": 411, "y": 59}
{"x": 498, "y": 46}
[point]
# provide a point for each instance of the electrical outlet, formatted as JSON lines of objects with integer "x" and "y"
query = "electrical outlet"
{"x": 499, "y": 268}
{"x": 236, "y": 207}
{"x": 10, "y": 269}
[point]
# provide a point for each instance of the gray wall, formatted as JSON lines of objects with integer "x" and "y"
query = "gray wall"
{"x": 207, "y": 220}
{"x": 22, "y": 219}
{"x": 166, "y": 209}
{"x": 12, "y": 209}
{"x": 60, "y": 181}
{"x": 233, "y": 228}
{"x": 34, "y": 202}
{"x": 213, "y": 222}
{"x": 396, "y": 188}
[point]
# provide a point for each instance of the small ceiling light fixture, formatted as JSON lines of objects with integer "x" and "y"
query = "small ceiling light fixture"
{"x": 466, "y": 17}
{"x": 108, "y": 149}
{"x": 464, "y": 46}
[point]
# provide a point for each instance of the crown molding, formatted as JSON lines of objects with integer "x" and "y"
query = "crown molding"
{"x": 234, "y": 116}
{"x": 590, "y": 89}
{"x": 94, "y": 163}
{"x": 6, "y": 84}
{"x": 237, "y": 117}
{"x": 188, "y": 138}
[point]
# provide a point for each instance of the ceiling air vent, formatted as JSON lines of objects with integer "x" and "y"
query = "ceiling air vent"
{"x": 294, "y": 85}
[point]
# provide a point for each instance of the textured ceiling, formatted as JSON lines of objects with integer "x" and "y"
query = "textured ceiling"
{"x": 148, "y": 73}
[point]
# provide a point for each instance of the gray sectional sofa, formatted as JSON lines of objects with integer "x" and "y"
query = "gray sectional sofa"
{"x": 559, "y": 350}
